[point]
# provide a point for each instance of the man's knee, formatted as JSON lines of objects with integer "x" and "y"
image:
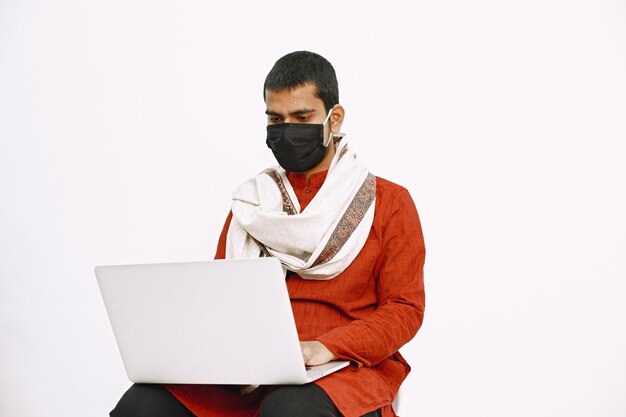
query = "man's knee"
{"x": 149, "y": 400}
{"x": 298, "y": 400}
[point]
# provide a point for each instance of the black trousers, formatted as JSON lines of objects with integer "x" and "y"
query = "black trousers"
{"x": 152, "y": 400}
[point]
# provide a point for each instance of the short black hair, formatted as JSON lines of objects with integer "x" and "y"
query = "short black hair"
{"x": 302, "y": 67}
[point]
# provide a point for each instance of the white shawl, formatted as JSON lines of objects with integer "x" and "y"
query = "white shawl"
{"x": 318, "y": 243}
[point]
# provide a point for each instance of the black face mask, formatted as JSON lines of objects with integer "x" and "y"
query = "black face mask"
{"x": 297, "y": 147}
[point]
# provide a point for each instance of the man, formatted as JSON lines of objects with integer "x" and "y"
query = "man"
{"x": 353, "y": 248}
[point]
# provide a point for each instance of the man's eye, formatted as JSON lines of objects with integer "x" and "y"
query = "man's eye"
{"x": 303, "y": 118}
{"x": 274, "y": 119}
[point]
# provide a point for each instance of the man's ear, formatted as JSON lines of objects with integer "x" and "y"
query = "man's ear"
{"x": 336, "y": 118}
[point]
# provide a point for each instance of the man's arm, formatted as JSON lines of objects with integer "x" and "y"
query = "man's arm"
{"x": 400, "y": 292}
{"x": 220, "y": 252}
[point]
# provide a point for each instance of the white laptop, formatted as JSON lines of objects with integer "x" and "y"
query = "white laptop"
{"x": 214, "y": 322}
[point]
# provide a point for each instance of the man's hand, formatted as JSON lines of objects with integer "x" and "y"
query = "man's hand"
{"x": 315, "y": 353}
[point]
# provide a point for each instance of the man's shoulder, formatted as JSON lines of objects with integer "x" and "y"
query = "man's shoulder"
{"x": 389, "y": 188}
{"x": 393, "y": 200}
{"x": 391, "y": 195}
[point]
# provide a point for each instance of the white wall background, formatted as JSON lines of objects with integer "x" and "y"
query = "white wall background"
{"x": 125, "y": 125}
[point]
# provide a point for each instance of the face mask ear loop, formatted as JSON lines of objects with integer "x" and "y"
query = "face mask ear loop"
{"x": 331, "y": 132}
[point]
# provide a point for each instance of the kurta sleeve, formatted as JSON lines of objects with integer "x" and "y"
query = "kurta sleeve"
{"x": 400, "y": 292}
{"x": 220, "y": 252}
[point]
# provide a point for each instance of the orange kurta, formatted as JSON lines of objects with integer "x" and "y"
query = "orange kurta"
{"x": 364, "y": 315}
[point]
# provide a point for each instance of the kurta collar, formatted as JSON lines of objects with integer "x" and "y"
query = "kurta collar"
{"x": 298, "y": 180}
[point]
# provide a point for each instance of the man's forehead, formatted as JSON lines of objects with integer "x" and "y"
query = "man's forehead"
{"x": 294, "y": 99}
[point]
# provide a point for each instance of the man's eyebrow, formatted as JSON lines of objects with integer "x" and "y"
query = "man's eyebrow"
{"x": 301, "y": 111}
{"x": 293, "y": 113}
